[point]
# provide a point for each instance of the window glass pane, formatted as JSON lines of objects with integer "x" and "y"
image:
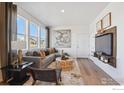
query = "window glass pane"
{"x": 43, "y": 35}
{"x": 21, "y": 41}
{"x": 33, "y": 30}
{"x": 42, "y": 38}
{"x": 43, "y": 43}
{"x": 21, "y": 24}
{"x": 33, "y": 42}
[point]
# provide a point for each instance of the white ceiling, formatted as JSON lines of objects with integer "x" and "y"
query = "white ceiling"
{"x": 80, "y": 13}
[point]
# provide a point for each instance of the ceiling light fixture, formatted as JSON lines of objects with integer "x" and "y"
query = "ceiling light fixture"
{"x": 62, "y": 11}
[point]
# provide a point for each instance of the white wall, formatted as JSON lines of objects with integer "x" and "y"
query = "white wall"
{"x": 117, "y": 11}
{"x": 74, "y": 31}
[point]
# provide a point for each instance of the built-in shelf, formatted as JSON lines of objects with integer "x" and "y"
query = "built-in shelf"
{"x": 106, "y": 59}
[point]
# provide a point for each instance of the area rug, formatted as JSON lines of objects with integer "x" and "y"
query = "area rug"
{"x": 70, "y": 77}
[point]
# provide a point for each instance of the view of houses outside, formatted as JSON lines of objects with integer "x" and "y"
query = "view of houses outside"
{"x": 42, "y": 38}
{"x": 33, "y": 35}
{"x": 21, "y": 30}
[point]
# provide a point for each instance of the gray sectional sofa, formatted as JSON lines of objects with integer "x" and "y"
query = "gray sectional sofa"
{"x": 40, "y": 62}
{"x": 39, "y": 70}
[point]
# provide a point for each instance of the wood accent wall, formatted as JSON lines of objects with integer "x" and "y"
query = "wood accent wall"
{"x": 112, "y": 30}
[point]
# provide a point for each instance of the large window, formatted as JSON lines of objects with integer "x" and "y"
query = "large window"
{"x": 42, "y": 38}
{"x": 21, "y": 32}
{"x": 29, "y": 35}
{"x": 33, "y": 35}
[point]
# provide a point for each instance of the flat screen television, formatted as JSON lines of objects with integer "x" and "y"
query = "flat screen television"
{"x": 103, "y": 43}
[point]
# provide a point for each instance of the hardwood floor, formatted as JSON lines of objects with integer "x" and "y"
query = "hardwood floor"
{"x": 90, "y": 73}
{"x": 93, "y": 75}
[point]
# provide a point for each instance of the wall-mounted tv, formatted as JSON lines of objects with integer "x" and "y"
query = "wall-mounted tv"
{"x": 103, "y": 43}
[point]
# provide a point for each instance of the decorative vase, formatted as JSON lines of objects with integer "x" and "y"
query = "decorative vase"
{"x": 62, "y": 55}
{"x": 19, "y": 56}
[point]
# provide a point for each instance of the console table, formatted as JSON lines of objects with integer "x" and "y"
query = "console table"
{"x": 19, "y": 73}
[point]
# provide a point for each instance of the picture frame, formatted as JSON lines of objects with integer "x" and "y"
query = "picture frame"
{"x": 106, "y": 21}
{"x": 62, "y": 38}
{"x": 99, "y": 26}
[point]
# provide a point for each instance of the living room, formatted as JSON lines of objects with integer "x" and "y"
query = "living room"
{"x": 70, "y": 43}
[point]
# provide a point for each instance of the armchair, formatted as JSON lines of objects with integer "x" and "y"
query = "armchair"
{"x": 46, "y": 74}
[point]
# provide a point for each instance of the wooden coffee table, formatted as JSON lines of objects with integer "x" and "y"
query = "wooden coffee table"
{"x": 66, "y": 65}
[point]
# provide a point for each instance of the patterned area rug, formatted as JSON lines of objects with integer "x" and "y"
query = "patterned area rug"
{"x": 70, "y": 77}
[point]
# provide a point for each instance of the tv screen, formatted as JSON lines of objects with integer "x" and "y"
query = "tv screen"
{"x": 103, "y": 44}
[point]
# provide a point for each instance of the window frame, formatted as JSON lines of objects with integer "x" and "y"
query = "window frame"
{"x": 27, "y": 35}
{"x": 19, "y": 16}
{"x": 36, "y": 37}
{"x": 43, "y": 29}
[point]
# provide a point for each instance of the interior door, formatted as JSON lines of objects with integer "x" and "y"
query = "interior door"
{"x": 82, "y": 45}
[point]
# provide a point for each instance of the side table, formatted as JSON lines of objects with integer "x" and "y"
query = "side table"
{"x": 19, "y": 73}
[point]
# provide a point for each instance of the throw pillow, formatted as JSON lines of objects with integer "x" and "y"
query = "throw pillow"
{"x": 28, "y": 53}
{"x": 42, "y": 53}
{"x": 46, "y": 52}
{"x": 35, "y": 53}
{"x": 54, "y": 50}
{"x": 50, "y": 52}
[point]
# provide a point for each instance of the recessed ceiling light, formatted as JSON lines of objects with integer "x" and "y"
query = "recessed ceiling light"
{"x": 62, "y": 11}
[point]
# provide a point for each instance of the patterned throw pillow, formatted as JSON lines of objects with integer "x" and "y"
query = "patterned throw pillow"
{"x": 42, "y": 53}
{"x": 53, "y": 51}
{"x": 50, "y": 52}
{"x": 46, "y": 52}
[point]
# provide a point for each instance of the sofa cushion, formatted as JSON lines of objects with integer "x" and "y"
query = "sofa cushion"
{"x": 57, "y": 54}
{"x": 41, "y": 61}
{"x": 48, "y": 59}
{"x": 46, "y": 52}
{"x": 29, "y": 53}
{"x": 56, "y": 51}
{"x": 42, "y": 53}
{"x": 51, "y": 50}
{"x": 36, "y": 53}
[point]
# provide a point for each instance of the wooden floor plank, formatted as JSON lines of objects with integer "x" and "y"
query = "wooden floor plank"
{"x": 93, "y": 75}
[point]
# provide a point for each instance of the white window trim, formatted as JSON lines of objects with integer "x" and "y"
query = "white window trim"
{"x": 43, "y": 29}
{"x": 24, "y": 31}
{"x": 27, "y": 33}
{"x": 33, "y": 36}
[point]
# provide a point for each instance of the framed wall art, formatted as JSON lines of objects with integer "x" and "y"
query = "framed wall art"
{"x": 63, "y": 38}
{"x": 99, "y": 26}
{"x": 106, "y": 21}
